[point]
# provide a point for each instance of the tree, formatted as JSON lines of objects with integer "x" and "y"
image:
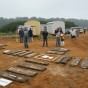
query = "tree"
{"x": 69, "y": 24}
{"x": 11, "y": 27}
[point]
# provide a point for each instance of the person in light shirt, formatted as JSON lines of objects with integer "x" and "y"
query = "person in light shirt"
{"x": 73, "y": 33}
{"x": 58, "y": 37}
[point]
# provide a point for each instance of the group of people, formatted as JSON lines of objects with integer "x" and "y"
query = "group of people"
{"x": 59, "y": 37}
{"x": 25, "y": 35}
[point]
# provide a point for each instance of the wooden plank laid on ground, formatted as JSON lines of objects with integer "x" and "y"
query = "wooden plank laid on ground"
{"x": 56, "y": 57}
{"x": 75, "y": 62}
{"x": 60, "y": 50}
{"x": 22, "y": 71}
{"x": 84, "y": 63}
{"x": 25, "y": 53}
{"x": 10, "y": 52}
{"x": 56, "y": 52}
{"x": 31, "y": 66}
{"x": 2, "y": 45}
{"x": 15, "y": 54}
{"x": 37, "y": 61}
{"x": 58, "y": 60}
{"x": 13, "y": 77}
{"x": 65, "y": 60}
{"x": 31, "y": 55}
{"x": 38, "y": 55}
{"x": 1, "y": 48}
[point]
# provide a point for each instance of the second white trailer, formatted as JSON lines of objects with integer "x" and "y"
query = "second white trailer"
{"x": 52, "y": 26}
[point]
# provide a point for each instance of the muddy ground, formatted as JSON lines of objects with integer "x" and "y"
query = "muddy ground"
{"x": 56, "y": 75}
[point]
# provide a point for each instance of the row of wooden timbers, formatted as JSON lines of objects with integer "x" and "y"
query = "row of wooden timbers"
{"x": 2, "y": 46}
{"x": 33, "y": 66}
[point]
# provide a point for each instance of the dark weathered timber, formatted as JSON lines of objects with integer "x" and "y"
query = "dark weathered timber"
{"x": 25, "y": 53}
{"x": 58, "y": 60}
{"x": 55, "y": 52}
{"x": 84, "y": 63}
{"x": 12, "y": 52}
{"x": 31, "y": 66}
{"x": 1, "y": 48}
{"x": 65, "y": 60}
{"x": 31, "y": 55}
{"x": 37, "y": 62}
{"x": 3, "y": 45}
{"x": 22, "y": 71}
{"x": 60, "y": 50}
{"x": 75, "y": 62}
{"x": 13, "y": 77}
{"x": 16, "y": 54}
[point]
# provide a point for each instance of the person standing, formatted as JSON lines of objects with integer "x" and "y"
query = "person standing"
{"x": 25, "y": 38}
{"x": 60, "y": 29}
{"x": 21, "y": 35}
{"x": 56, "y": 31}
{"x": 62, "y": 39}
{"x": 73, "y": 34}
{"x": 84, "y": 30}
{"x": 58, "y": 37}
{"x": 77, "y": 32}
{"x": 45, "y": 37}
{"x": 30, "y": 35}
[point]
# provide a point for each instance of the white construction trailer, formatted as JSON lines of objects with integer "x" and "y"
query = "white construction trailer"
{"x": 42, "y": 27}
{"x": 52, "y": 26}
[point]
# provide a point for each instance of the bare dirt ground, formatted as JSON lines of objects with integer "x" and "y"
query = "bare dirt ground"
{"x": 56, "y": 75}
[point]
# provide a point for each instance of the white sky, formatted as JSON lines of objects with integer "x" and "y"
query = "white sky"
{"x": 44, "y": 8}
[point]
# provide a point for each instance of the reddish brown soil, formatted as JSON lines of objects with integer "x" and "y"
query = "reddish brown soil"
{"x": 56, "y": 75}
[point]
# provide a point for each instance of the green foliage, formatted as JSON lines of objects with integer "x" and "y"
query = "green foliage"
{"x": 11, "y": 27}
{"x": 69, "y": 24}
{"x": 43, "y": 22}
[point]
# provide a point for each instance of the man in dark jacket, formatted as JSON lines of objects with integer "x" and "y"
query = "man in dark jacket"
{"x": 21, "y": 35}
{"x": 30, "y": 35}
{"x": 45, "y": 37}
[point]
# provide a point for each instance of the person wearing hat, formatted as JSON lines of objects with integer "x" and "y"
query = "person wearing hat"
{"x": 45, "y": 37}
